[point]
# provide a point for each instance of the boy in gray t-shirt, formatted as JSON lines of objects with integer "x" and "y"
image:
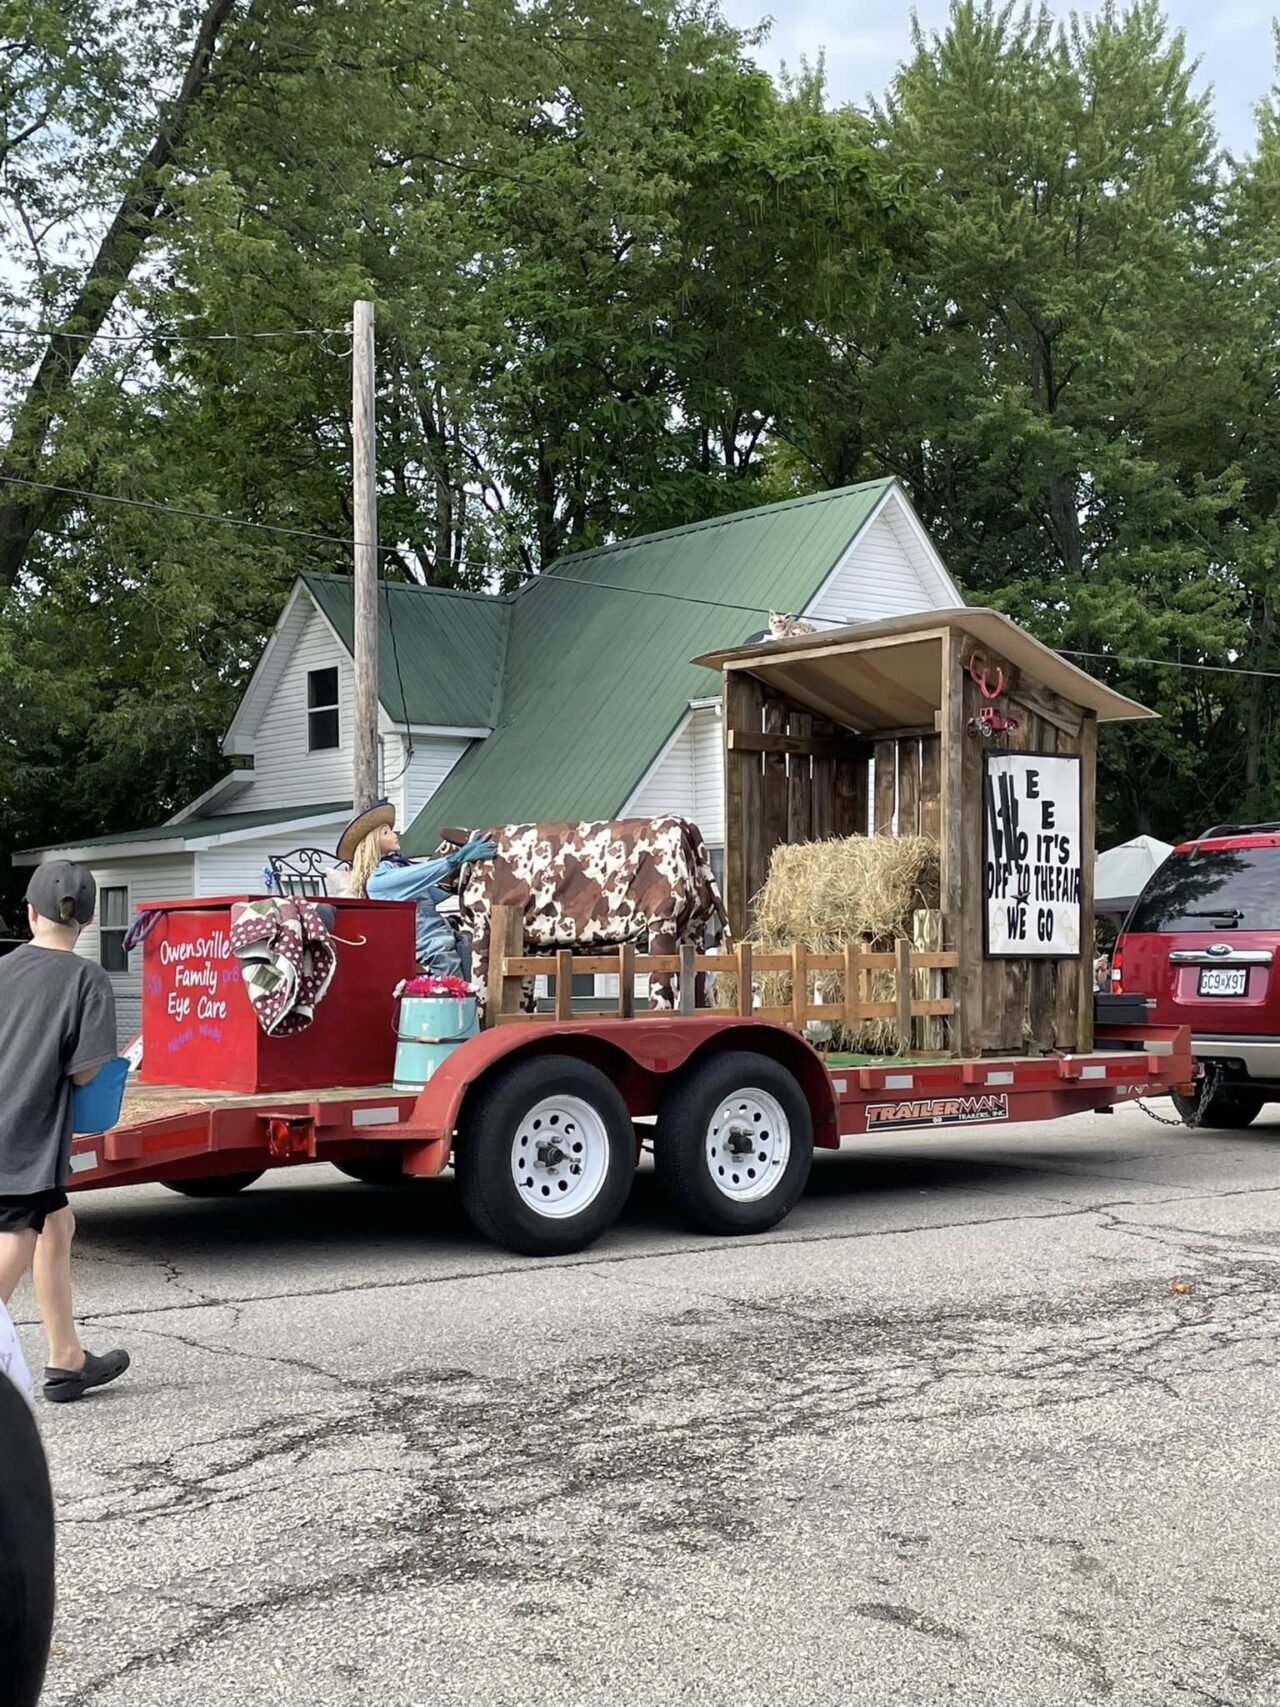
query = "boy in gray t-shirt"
{"x": 57, "y": 1028}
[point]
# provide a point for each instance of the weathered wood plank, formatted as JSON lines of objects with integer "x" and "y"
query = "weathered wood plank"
{"x": 774, "y": 785}
{"x": 958, "y": 908}
{"x": 746, "y": 995}
{"x": 799, "y": 984}
{"x": 902, "y": 992}
{"x": 564, "y": 984}
{"x": 1088, "y": 844}
{"x": 927, "y": 983}
{"x": 886, "y": 786}
{"x": 800, "y": 780}
{"x": 822, "y": 789}
{"x": 931, "y": 786}
{"x": 789, "y": 744}
{"x": 909, "y": 787}
{"x": 688, "y": 980}
{"x": 506, "y": 940}
{"x": 627, "y": 980}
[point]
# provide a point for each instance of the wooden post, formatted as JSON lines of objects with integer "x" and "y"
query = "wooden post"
{"x": 506, "y": 937}
{"x": 886, "y": 786}
{"x": 903, "y": 993}
{"x": 926, "y": 933}
{"x": 627, "y": 981}
{"x": 909, "y": 786}
{"x": 746, "y": 995}
{"x": 1088, "y": 848}
{"x": 799, "y": 985}
{"x": 852, "y": 988}
{"x": 364, "y": 506}
{"x": 688, "y": 979}
{"x": 961, "y": 858}
{"x": 564, "y": 983}
{"x": 931, "y": 786}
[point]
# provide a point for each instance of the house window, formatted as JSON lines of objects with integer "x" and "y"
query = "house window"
{"x": 322, "y": 709}
{"x": 113, "y": 922}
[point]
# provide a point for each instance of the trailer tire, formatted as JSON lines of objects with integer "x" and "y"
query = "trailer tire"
{"x": 736, "y": 1096}
{"x": 374, "y": 1170}
{"x": 213, "y": 1185}
{"x": 1227, "y": 1109}
{"x": 523, "y": 1191}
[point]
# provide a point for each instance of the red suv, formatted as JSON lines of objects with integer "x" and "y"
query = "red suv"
{"x": 1202, "y": 946}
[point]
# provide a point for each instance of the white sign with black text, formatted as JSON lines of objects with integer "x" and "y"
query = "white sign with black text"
{"x": 1032, "y": 855}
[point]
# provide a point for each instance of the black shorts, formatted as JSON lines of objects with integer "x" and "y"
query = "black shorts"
{"x": 23, "y": 1214}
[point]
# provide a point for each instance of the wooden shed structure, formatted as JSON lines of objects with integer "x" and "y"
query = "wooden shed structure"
{"x": 959, "y": 724}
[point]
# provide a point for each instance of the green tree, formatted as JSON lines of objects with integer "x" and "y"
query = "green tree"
{"x": 1045, "y": 367}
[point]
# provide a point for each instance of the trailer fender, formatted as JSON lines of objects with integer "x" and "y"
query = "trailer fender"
{"x": 639, "y": 1055}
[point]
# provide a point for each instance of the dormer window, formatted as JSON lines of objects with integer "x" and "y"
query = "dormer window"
{"x": 322, "y": 709}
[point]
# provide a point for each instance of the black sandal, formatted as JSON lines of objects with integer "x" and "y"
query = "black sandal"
{"x": 63, "y": 1385}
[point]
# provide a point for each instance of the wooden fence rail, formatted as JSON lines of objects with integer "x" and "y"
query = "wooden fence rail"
{"x": 915, "y": 971}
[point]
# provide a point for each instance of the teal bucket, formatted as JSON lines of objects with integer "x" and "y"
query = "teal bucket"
{"x": 430, "y": 1029}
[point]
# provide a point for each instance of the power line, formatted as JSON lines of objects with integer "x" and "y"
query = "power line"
{"x": 164, "y": 335}
{"x": 1172, "y": 664}
{"x": 571, "y": 580}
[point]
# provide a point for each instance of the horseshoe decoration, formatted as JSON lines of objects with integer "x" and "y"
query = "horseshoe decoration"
{"x": 980, "y": 678}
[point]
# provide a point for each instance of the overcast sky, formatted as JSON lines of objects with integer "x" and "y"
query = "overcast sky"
{"x": 865, "y": 39}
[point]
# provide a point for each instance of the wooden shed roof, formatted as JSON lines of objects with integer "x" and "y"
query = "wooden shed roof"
{"x": 888, "y": 675}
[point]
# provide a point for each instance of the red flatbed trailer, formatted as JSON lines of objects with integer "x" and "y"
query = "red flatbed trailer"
{"x": 538, "y": 1119}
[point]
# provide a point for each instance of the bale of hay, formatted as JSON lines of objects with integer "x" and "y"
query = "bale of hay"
{"x": 853, "y": 889}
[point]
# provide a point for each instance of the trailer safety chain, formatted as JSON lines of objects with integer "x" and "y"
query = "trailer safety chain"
{"x": 1208, "y": 1085}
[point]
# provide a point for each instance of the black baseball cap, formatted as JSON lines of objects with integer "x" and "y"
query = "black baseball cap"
{"x": 63, "y": 892}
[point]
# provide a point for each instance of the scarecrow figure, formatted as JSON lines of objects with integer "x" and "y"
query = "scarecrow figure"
{"x": 370, "y": 844}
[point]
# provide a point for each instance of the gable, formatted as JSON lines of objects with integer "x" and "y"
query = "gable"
{"x": 286, "y": 771}
{"x": 889, "y": 569}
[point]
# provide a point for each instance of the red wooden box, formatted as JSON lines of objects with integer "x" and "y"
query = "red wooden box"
{"x": 199, "y": 1029}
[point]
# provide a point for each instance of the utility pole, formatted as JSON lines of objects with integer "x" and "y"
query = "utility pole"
{"x": 365, "y": 533}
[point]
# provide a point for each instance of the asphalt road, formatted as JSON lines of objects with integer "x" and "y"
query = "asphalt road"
{"x": 992, "y": 1419}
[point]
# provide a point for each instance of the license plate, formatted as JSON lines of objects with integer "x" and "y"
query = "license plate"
{"x": 1223, "y": 980}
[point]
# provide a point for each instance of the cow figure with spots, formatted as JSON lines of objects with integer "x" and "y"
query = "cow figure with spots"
{"x": 592, "y": 887}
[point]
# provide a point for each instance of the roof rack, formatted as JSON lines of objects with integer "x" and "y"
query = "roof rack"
{"x": 1237, "y": 830}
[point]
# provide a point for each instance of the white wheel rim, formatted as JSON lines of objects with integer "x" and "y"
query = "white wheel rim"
{"x": 560, "y": 1156}
{"x": 748, "y": 1145}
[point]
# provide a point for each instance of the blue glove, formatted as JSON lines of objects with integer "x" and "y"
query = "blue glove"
{"x": 476, "y": 849}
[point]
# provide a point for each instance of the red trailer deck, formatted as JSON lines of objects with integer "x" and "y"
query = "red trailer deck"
{"x": 539, "y": 1119}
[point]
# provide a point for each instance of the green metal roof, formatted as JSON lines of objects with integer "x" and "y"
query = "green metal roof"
{"x": 194, "y": 829}
{"x": 598, "y": 672}
{"x": 448, "y": 646}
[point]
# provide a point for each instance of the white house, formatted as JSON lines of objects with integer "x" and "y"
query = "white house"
{"x": 572, "y": 698}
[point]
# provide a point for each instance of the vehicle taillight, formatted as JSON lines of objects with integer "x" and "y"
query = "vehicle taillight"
{"x": 1117, "y": 968}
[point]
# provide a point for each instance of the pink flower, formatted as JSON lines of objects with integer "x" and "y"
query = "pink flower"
{"x": 455, "y": 987}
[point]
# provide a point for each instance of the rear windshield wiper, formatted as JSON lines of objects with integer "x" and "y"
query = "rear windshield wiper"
{"x": 1213, "y": 913}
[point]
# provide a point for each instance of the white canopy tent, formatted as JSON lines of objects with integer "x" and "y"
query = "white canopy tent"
{"x": 1121, "y": 874}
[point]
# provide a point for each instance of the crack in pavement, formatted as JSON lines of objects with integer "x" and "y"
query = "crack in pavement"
{"x": 604, "y": 1260}
{"x": 670, "y": 1444}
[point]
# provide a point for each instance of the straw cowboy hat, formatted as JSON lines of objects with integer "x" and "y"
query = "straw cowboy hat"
{"x": 381, "y": 815}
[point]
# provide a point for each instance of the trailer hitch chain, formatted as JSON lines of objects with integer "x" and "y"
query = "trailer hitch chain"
{"x": 1208, "y": 1075}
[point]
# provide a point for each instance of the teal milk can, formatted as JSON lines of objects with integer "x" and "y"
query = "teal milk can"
{"x": 430, "y": 1028}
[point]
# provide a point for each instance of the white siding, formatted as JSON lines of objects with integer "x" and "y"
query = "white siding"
{"x": 885, "y": 572}
{"x": 237, "y": 868}
{"x": 287, "y": 774}
{"x": 707, "y": 734}
{"x": 156, "y": 878}
{"x": 410, "y": 783}
{"x": 687, "y": 777}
